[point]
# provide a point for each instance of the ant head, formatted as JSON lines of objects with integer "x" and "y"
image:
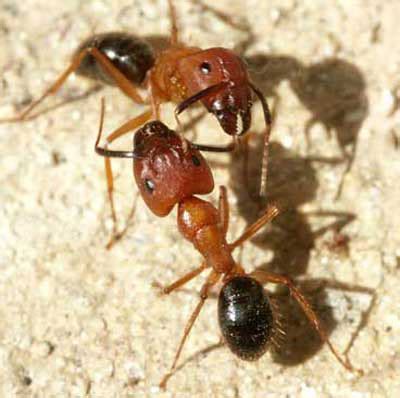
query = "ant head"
{"x": 231, "y": 103}
{"x": 147, "y": 134}
{"x": 167, "y": 168}
{"x": 245, "y": 317}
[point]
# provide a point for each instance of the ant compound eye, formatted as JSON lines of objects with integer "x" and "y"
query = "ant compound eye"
{"x": 196, "y": 161}
{"x": 149, "y": 184}
{"x": 205, "y": 67}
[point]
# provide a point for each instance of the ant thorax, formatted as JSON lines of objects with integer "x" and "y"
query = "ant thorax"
{"x": 166, "y": 78}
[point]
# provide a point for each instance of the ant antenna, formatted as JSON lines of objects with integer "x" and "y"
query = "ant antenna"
{"x": 268, "y": 123}
{"x": 198, "y": 96}
{"x": 108, "y": 153}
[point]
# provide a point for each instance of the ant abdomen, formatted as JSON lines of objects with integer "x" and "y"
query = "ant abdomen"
{"x": 131, "y": 55}
{"x": 245, "y": 317}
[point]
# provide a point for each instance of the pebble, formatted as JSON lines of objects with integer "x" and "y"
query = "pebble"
{"x": 100, "y": 369}
{"x": 388, "y": 102}
{"x": 42, "y": 349}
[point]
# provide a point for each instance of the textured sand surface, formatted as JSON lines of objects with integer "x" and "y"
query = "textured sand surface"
{"x": 77, "y": 320}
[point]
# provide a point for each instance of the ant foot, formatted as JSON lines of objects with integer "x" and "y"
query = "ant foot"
{"x": 159, "y": 288}
{"x": 113, "y": 240}
{"x": 164, "y": 381}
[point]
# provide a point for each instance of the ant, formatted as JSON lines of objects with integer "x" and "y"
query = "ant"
{"x": 217, "y": 77}
{"x": 169, "y": 172}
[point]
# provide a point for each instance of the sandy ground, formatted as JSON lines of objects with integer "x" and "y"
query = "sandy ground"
{"x": 78, "y": 320}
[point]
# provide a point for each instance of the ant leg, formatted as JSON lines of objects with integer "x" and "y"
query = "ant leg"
{"x": 271, "y": 212}
{"x": 350, "y": 160}
{"x": 263, "y": 277}
{"x": 76, "y": 61}
{"x": 118, "y": 235}
{"x": 179, "y": 130}
{"x": 129, "y": 126}
{"x": 267, "y": 133}
{"x": 109, "y": 175}
{"x": 223, "y": 209}
{"x": 212, "y": 279}
{"x": 121, "y": 81}
{"x": 155, "y": 98}
{"x": 174, "y": 26}
{"x": 124, "y": 129}
{"x": 182, "y": 281}
{"x": 110, "y": 180}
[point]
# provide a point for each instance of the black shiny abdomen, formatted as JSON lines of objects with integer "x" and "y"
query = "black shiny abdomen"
{"x": 130, "y": 54}
{"x": 245, "y": 317}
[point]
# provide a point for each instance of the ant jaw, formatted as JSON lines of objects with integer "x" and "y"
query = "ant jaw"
{"x": 233, "y": 121}
{"x": 245, "y": 118}
{"x": 232, "y": 108}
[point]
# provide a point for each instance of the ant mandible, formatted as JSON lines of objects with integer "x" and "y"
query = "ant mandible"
{"x": 168, "y": 174}
{"x": 216, "y": 76}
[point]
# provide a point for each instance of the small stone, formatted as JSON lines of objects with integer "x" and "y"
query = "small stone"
{"x": 60, "y": 363}
{"x": 76, "y": 116}
{"x": 42, "y": 349}
{"x": 388, "y": 102}
{"x": 155, "y": 389}
{"x": 276, "y": 15}
{"x": 308, "y": 392}
{"x": 80, "y": 387}
{"x": 100, "y": 369}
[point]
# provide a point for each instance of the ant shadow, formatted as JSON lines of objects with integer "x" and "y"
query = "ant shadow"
{"x": 290, "y": 237}
{"x": 333, "y": 91}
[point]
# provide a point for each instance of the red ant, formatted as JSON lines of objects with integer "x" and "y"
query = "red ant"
{"x": 217, "y": 77}
{"x": 169, "y": 172}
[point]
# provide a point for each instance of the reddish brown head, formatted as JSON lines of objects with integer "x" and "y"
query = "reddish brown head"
{"x": 165, "y": 171}
{"x": 231, "y": 100}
